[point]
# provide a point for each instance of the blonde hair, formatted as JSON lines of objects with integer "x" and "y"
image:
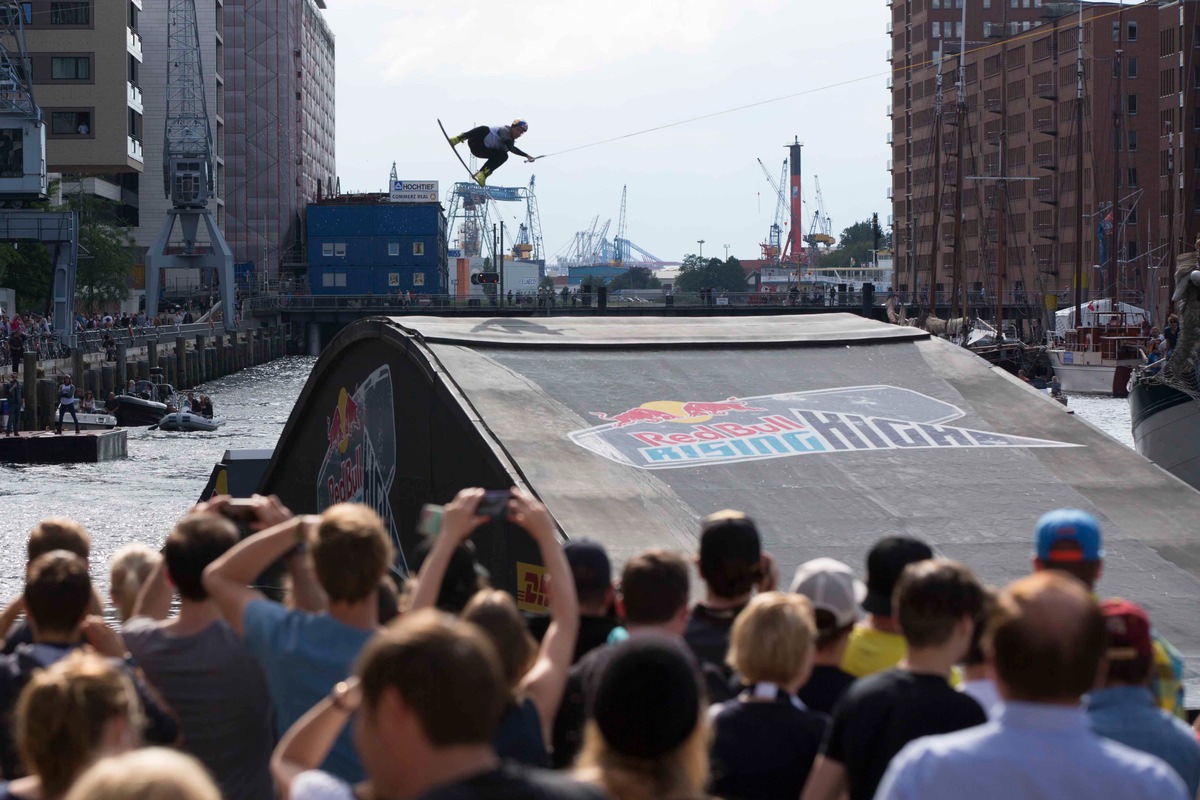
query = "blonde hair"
{"x": 154, "y": 773}
{"x": 772, "y": 637}
{"x": 495, "y": 612}
{"x": 63, "y": 713}
{"x": 128, "y": 571}
{"x": 682, "y": 773}
{"x": 351, "y": 552}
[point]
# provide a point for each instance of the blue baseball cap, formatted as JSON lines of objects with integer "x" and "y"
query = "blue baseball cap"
{"x": 1068, "y": 534}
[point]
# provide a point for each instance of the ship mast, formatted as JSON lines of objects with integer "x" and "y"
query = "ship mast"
{"x": 1111, "y": 275}
{"x": 935, "y": 247}
{"x": 1079, "y": 172}
{"x": 1001, "y": 185}
{"x": 958, "y": 283}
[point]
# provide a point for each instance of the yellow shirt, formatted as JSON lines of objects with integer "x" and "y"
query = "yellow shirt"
{"x": 870, "y": 651}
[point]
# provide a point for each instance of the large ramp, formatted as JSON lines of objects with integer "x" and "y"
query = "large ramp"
{"x": 830, "y": 430}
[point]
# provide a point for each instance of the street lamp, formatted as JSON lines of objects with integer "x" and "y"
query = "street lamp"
{"x": 726, "y": 252}
{"x": 701, "y": 243}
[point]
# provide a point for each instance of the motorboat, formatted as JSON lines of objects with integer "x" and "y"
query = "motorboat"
{"x": 94, "y": 421}
{"x": 188, "y": 421}
{"x": 144, "y": 405}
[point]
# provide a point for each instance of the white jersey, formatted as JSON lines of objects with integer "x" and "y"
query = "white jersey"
{"x": 498, "y": 138}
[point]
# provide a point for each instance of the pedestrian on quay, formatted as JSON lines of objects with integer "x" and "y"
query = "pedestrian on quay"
{"x": 16, "y": 402}
{"x": 66, "y": 404}
{"x": 16, "y": 346}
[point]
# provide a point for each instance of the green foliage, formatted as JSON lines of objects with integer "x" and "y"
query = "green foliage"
{"x": 27, "y": 269}
{"x": 636, "y": 278}
{"x": 546, "y": 282}
{"x": 592, "y": 281}
{"x": 696, "y": 273}
{"x": 856, "y": 242}
{"x": 106, "y": 252}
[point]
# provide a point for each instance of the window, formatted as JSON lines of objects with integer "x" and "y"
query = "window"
{"x": 937, "y": 30}
{"x": 1131, "y": 217}
{"x": 26, "y": 12}
{"x": 1131, "y": 104}
{"x": 1131, "y": 34}
{"x": 418, "y": 248}
{"x": 987, "y": 3}
{"x": 71, "y": 12}
{"x": 936, "y": 4}
{"x": 327, "y": 249}
{"x": 12, "y": 153}
{"x": 1133, "y": 176}
{"x": 339, "y": 249}
{"x": 393, "y": 248}
{"x": 1132, "y": 141}
{"x": 333, "y": 280}
{"x": 1131, "y": 250}
{"x": 418, "y": 279}
{"x": 71, "y": 123}
{"x": 1116, "y": 31}
{"x": 1132, "y": 70}
{"x": 134, "y": 71}
{"x": 70, "y": 68}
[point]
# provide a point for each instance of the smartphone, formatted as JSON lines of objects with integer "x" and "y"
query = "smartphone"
{"x": 241, "y": 509}
{"x": 495, "y": 503}
{"x": 430, "y": 522}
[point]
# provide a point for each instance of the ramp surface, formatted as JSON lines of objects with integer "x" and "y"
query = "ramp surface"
{"x": 830, "y": 430}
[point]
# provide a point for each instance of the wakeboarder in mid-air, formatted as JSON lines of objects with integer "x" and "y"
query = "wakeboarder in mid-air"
{"x": 492, "y": 143}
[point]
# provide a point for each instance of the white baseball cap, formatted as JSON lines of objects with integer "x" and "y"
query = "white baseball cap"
{"x": 831, "y": 586}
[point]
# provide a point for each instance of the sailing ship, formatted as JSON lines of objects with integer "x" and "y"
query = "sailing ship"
{"x": 1164, "y": 399}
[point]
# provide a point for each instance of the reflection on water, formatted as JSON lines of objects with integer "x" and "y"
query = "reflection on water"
{"x": 140, "y": 497}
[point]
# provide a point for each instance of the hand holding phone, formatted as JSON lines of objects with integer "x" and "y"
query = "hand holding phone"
{"x": 494, "y": 504}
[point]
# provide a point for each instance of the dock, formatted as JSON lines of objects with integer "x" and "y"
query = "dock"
{"x": 42, "y": 447}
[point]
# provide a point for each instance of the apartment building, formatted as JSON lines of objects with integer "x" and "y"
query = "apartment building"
{"x": 1179, "y": 140}
{"x": 1009, "y": 150}
{"x": 86, "y": 62}
{"x": 279, "y": 97}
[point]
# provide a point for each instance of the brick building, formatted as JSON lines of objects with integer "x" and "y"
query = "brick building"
{"x": 1014, "y": 137}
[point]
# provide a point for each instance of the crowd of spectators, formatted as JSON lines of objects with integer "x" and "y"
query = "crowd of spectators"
{"x": 262, "y": 654}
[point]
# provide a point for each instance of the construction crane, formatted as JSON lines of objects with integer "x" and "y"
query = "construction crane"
{"x": 772, "y": 249}
{"x": 820, "y": 232}
{"x": 188, "y": 169}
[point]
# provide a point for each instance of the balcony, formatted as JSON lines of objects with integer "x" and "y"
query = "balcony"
{"x": 1047, "y": 231}
{"x": 889, "y": 109}
{"x": 1046, "y": 161}
{"x": 889, "y": 137}
{"x": 888, "y": 28}
{"x": 133, "y": 148}
{"x": 1047, "y": 91}
{"x": 994, "y": 105}
{"x": 1047, "y": 126}
{"x": 888, "y": 57}
{"x": 889, "y": 167}
{"x": 889, "y": 195}
{"x": 1047, "y": 196}
{"x": 889, "y": 82}
{"x": 133, "y": 97}
{"x": 133, "y": 43}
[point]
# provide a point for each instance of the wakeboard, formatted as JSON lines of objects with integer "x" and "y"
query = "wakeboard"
{"x": 455, "y": 149}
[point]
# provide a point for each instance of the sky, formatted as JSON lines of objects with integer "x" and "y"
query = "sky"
{"x": 584, "y": 71}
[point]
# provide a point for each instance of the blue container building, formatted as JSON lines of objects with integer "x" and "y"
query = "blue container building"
{"x": 368, "y": 246}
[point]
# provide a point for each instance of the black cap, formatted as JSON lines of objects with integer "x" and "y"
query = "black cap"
{"x": 885, "y": 562}
{"x": 464, "y": 574}
{"x": 729, "y": 536}
{"x": 647, "y": 699}
{"x": 589, "y": 564}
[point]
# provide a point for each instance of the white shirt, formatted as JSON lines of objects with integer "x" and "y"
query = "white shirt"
{"x": 317, "y": 785}
{"x": 984, "y": 692}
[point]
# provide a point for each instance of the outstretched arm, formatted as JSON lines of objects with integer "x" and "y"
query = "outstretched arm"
{"x": 521, "y": 152}
{"x": 309, "y": 740}
{"x": 545, "y": 681}
{"x": 459, "y": 520}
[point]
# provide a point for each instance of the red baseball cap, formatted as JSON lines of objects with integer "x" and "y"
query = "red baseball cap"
{"x": 1128, "y": 629}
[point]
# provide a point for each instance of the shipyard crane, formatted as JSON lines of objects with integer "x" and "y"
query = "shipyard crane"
{"x": 23, "y": 177}
{"x": 821, "y": 230}
{"x": 619, "y": 245}
{"x": 772, "y": 249}
{"x": 188, "y": 169}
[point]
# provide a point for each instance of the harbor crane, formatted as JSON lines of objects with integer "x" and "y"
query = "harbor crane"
{"x": 772, "y": 249}
{"x": 23, "y": 178}
{"x": 188, "y": 169}
{"x": 820, "y": 232}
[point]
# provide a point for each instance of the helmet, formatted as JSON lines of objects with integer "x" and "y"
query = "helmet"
{"x": 520, "y": 123}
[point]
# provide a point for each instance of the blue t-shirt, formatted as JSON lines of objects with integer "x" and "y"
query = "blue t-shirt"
{"x": 304, "y": 656}
{"x": 66, "y": 394}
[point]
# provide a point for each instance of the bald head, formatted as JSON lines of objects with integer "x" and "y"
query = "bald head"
{"x": 1045, "y": 638}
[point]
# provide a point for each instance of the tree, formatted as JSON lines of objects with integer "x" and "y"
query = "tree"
{"x": 856, "y": 242}
{"x": 28, "y": 271}
{"x": 546, "y": 282}
{"x": 106, "y": 251}
{"x": 636, "y": 278}
{"x": 724, "y": 276}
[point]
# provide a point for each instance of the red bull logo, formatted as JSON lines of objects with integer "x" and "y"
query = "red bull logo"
{"x": 346, "y": 419}
{"x": 689, "y": 413}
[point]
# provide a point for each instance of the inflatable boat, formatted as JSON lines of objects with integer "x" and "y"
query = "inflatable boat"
{"x": 187, "y": 421}
{"x": 138, "y": 412}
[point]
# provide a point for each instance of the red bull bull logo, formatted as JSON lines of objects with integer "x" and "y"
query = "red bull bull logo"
{"x": 688, "y": 412}
{"x": 346, "y": 419}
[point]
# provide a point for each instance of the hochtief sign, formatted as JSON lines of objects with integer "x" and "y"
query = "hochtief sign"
{"x": 414, "y": 192}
